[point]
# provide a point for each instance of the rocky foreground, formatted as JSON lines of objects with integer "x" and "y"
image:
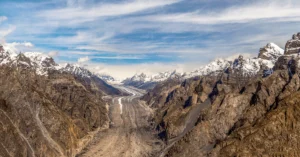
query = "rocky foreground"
{"x": 232, "y": 112}
{"x": 45, "y": 111}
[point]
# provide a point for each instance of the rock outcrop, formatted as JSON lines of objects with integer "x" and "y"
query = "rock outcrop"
{"x": 293, "y": 45}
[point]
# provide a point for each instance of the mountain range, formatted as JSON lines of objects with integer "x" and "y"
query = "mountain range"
{"x": 229, "y": 107}
{"x": 266, "y": 58}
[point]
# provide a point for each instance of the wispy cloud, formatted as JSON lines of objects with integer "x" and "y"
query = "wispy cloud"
{"x": 83, "y": 59}
{"x": 53, "y": 53}
{"x": 81, "y": 37}
{"x": 82, "y": 14}
{"x": 19, "y": 46}
{"x": 119, "y": 57}
{"x": 237, "y": 14}
{"x": 2, "y": 18}
{"x": 6, "y": 31}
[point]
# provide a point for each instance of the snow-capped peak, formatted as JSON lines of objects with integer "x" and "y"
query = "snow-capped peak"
{"x": 7, "y": 51}
{"x": 39, "y": 61}
{"x": 140, "y": 77}
{"x": 109, "y": 79}
{"x": 40, "y": 58}
{"x": 214, "y": 66}
{"x": 155, "y": 77}
{"x": 270, "y": 52}
{"x": 74, "y": 69}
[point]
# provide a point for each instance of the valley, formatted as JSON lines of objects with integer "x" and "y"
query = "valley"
{"x": 130, "y": 134}
{"x": 149, "y": 78}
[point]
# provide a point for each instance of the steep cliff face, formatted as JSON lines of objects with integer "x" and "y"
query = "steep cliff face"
{"x": 235, "y": 109}
{"x": 213, "y": 116}
{"x": 234, "y": 123}
{"x": 273, "y": 135}
{"x": 53, "y": 114}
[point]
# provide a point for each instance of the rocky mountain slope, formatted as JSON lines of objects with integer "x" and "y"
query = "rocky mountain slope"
{"x": 45, "y": 108}
{"x": 42, "y": 63}
{"x": 89, "y": 79}
{"x": 230, "y": 112}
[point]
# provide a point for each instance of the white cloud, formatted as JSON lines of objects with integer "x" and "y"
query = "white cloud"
{"x": 7, "y": 31}
{"x": 25, "y": 44}
{"x": 88, "y": 37}
{"x": 237, "y": 14}
{"x": 19, "y": 46}
{"x": 53, "y": 53}
{"x": 28, "y": 44}
{"x": 84, "y": 14}
{"x": 83, "y": 59}
{"x": 121, "y": 57}
{"x": 74, "y": 3}
{"x": 143, "y": 47}
{"x": 2, "y": 18}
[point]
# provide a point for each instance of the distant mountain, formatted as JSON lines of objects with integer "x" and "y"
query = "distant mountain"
{"x": 109, "y": 79}
{"x": 144, "y": 81}
{"x": 106, "y": 77}
{"x": 266, "y": 59}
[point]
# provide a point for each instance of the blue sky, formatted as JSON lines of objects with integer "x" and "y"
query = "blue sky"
{"x": 130, "y": 36}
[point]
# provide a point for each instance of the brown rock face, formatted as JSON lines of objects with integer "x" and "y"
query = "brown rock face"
{"x": 276, "y": 134}
{"x": 293, "y": 46}
{"x": 177, "y": 105}
{"x": 258, "y": 118}
{"x": 46, "y": 115}
{"x": 231, "y": 124}
{"x": 158, "y": 95}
